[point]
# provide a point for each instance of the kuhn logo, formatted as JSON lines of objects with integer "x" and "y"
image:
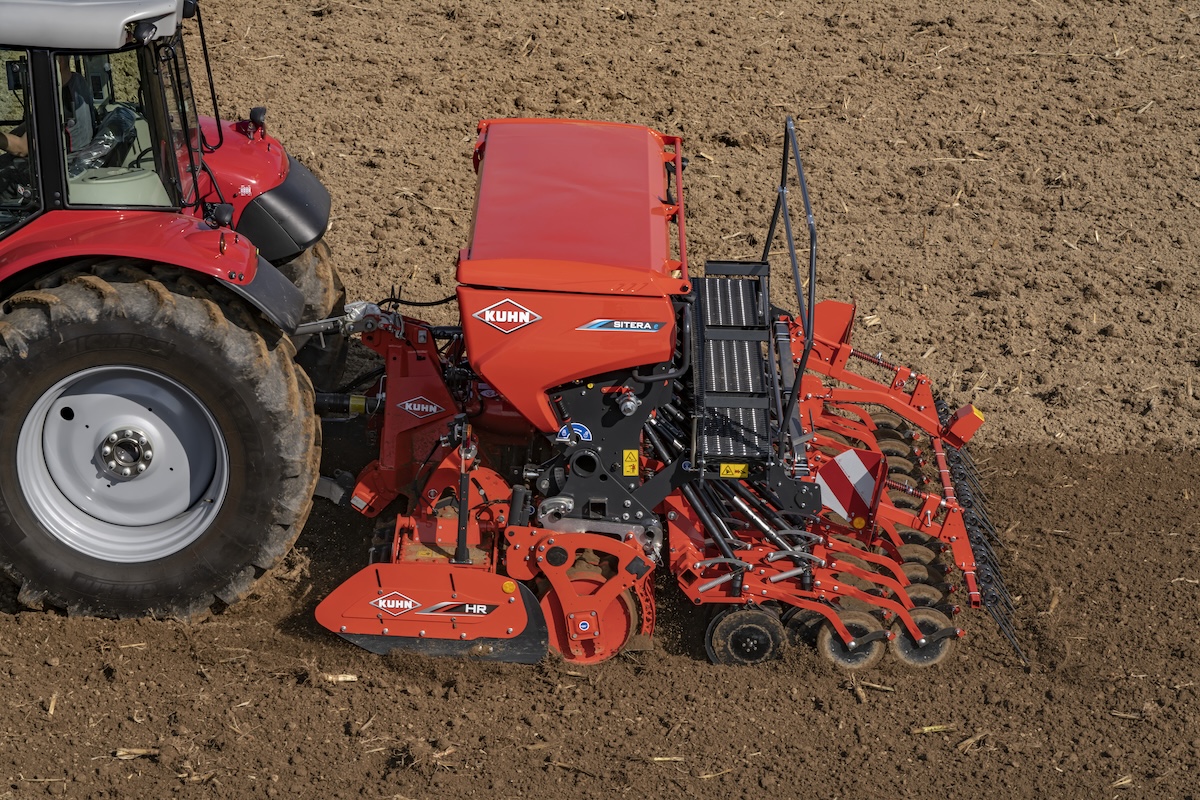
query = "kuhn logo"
{"x": 420, "y": 407}
{"x": 507, "y": 316}
{"x": 395, "y": 603}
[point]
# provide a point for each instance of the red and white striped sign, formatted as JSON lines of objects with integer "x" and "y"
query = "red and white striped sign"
{"x": 848, "y": 484}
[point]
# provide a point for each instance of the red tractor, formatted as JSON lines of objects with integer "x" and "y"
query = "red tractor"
{"x": 601, "y": 416}
{"x": 158, "y": 441}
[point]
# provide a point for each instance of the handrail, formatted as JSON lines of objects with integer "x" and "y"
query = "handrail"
{"x": 807, "y": 304}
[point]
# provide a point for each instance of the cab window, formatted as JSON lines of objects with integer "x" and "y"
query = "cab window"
{"x": 107, "y": 143}
{"x": 18, "y": 173}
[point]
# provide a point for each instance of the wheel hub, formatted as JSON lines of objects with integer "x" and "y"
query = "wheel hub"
{"x": 126, "y": 453}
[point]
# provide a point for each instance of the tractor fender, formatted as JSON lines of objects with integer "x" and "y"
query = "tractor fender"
{"x": 278, "y": 202}
{"x": 176, "y": 239}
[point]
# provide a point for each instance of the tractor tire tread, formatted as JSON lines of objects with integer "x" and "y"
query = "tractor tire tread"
{"x": 161, "y": 296}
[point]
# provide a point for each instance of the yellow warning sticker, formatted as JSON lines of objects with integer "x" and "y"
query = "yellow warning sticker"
{"x": 631, "y": 463}
{"x": 735, "y": 470}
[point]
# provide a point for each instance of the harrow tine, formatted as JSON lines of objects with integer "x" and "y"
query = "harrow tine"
{"x": 972, "y": 477}
{"x": 1004, "y": 623}
{"x": 983, "y": 553}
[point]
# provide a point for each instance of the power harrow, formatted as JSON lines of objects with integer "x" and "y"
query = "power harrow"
{"x": 599, "y": 416}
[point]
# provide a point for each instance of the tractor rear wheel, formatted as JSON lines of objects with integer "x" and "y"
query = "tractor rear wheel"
{"x": 158, "y": 446}
{"x": 314, "y": 274}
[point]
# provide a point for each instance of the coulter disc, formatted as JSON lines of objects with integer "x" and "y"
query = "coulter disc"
{"x": 834, "y": 650}
{"x": 912, "y": 654}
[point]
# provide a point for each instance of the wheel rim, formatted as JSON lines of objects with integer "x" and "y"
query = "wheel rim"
{"x": 744, "y": 636}
{"x": 122, "y": 464}
{"x": 617, "y": 622}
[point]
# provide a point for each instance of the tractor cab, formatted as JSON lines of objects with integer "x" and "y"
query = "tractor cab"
{"x": 92, "y": 129}
{"x": 100, "y": 114}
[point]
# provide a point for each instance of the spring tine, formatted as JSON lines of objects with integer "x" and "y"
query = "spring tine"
{"x": 981, "y": 545}
{"x": 971, "y": 480}
{"x": 984, "y": 532}
{"x": 972, "y": 519}
{"x": 963, "y": 495}
{"x": 972, "y": 477}
{"x": 962, "y": 467}
{"x": 982, "y": 535}
{"x": 1006, "y": 627}
{"x": 994, "y": 585}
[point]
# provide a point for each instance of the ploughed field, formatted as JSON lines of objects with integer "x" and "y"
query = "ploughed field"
{"x": 1011, "y": 195}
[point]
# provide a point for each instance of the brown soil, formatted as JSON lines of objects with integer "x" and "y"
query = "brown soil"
{"x": 1011, "y": 189}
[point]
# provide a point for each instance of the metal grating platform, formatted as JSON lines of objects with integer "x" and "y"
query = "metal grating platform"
{"x": 732, "y": 400}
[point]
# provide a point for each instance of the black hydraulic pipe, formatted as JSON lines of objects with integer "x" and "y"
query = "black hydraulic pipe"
{"x": 710, "y": 522}
{"x": 749, "y": 513}
{"x": 692, "y": 496}
{"x": 685, "y": 355}
{"x": 761, "y": 506}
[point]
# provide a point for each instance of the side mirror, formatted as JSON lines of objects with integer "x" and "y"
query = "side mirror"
{"x": 144, "y": 31}
{"x": 220, "y": 215}
{"x": 258, "y": 120}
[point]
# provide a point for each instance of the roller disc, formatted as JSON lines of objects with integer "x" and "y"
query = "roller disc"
{"x": 617, "y": 623}
{"x": 835, "y": 443}
{"x": 917, "y": 553}
{"x": 744, "y": 635}
{"x": 913, "y": 536}
{"x": 903, "y": 500}
{"x": 834, "y": 650}
{"x": 922, "y": 594}
{"x": 895, "y": 447}
{"x": 908, "y": 652}
{"x": 887, "y": 421}
{"x": 832, "y": 436}
{"x": 888, "y": 434}
{"x": 802, "y": 625}
{"x": 916, "y": 572}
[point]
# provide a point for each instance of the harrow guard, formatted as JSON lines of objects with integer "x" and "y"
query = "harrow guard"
{"x": 437, "y": 609}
